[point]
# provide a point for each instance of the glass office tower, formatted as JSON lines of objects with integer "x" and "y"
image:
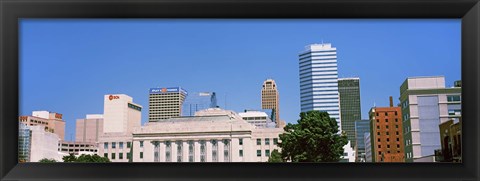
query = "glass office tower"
{"x": 319, "y": 80}
{"x": 198, "y": 101}
{"x": 349, "y": 89}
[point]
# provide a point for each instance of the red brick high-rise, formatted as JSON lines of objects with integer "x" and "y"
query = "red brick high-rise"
{"x": 386, "y": 134}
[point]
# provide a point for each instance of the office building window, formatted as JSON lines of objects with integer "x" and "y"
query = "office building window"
{"x": 113, "y": 156}
{"x": 191, "y": 151}
{"x": 398, "y": 146}
{"x": 386, "y": 126}
{"x": 396, "y": 120}
{"x": 105, "y": 155}
{"x": 114, "y": 145}
{"x": 378, "y": 120}
{"x": 267, "y": 152}
{"x": 378, "y": 133}
{"x": 453, "y": 98}
{"x": 179, "y": 151}
{"x": 141, "y": 155}
{"x": 129, "y": 155}
{"x": 388, "y": 146}
{"x": 259, "y": 141}
{"x": 386, "y": 120}
{"x": 378, "y": 127}
{"x": 129, "y": 144}
{"x": 275, "y": 141}
{"x": 386, "y": 114}
{"x": 226, "y": 150}
{"x": 214, "y": 151}
{"x": 240, "y": 141}
{"x": 240, "y": 153}
{"x": 120, "y": 145}
{"x": 388, "y": 139}
{"x": 388, "y": 133}
{"x": 379, "y": 146}
{"x": 105, "y": 145}
{"x": 168, "y": 151}
{"x": 120, "y": 156}
{"x": 259, "y": 153}
{"x": 378, "y": 139}
{"x": 267, "y": 141}
{"x": 395, "y": 113}
{"x": 202, "y": 151}
{"x": 398, "y": 139}
{"x": 141, "y": 144}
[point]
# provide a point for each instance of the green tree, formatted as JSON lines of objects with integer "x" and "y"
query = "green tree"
{"x": 46, "y": 160}
{"x": 275, "y": 156}
{"x": 85, "y": 159}
{"x": 69, "y": 158}
{"x": 315, "y": 138}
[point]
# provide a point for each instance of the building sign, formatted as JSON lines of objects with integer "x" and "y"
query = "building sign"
{"x": 166, "y": 90}
{"x": 111, "y": 97}
{"x": 58, "y": 116}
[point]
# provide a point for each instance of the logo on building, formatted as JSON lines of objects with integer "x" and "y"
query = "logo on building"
{"x": 111, "y": 97}
{"x": 164, "y": 90}
{"x": 58, "y": 116}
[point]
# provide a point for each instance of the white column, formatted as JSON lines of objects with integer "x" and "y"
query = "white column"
{"x": 220, "y": 150}
{"x": 208, "y": 152}
{"x": 185, "y": 151}
{"x": 161, "y": 154}
{"x": 174, "y": 151}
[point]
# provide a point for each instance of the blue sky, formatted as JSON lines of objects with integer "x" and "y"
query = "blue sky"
{"x": 66, "y": 66}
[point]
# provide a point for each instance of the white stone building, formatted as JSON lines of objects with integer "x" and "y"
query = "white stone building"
{"x": 43, "y": 144}
{"x": 213, "y": 135}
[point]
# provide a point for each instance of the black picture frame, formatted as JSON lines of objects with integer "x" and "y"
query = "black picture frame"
{"x": 13, "y": 10}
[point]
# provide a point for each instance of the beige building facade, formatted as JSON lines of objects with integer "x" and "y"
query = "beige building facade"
{"x": 270, "y": 98}
{"x": 165, "y": 103}
{"x": 89, "y": 129}
{"x": 213, "y": 135}
{"x": 51, "y": 121}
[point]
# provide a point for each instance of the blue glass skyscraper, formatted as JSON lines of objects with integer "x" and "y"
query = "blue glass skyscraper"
{"x": 319, "y": 80}
{"x": 198, "y": 101}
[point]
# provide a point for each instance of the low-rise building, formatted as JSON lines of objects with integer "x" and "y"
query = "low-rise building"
{"x": 213, "y": 135}
{"x": 51, "y": 121}
{"x": 77, "y": 148}
{"x": 43, "y": 144}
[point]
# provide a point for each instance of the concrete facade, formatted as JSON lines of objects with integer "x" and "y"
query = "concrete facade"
{"x": 214, "y": 135}
{"x": 51, "y": 121}
{"x": 89, "y": 129}
{"x": 426, "y": 103}
{"x": 43, "y": 144}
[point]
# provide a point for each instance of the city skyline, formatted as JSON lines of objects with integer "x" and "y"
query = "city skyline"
{"x": 102, "y": 59}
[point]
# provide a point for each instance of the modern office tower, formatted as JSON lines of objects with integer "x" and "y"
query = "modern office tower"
{"x": 165, "y": 103}
{"x": 368, "y": 147}
{"x": 349, "y": 90}
{"x": 197, "y": 101}
{"x": 120, "y": 117}
{"x": 451, "y": 141}
{"x": 77, "y": 148}
{"x": 43, "y": 144}
{"x": 212, "y": 135}
{"x": 120, "y": 114}
{"x": 270, "y": 99}
{"x": 89, "y": 129}
{"x": 386, "y": 134}
{"x": 257, "y": 118}
{"x": 426, "y": 103}
{"x": 361, "y": 127}
{"x": 52, "y": 121}
{"x": 24, "y": 140}
{"x": 319, "y": 80}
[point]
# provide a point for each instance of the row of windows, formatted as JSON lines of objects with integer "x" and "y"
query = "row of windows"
{"x": 388, "y": 139}
{"x": 453, "y": 98}
{"x": 378, "y": 127}
{"x": 267, "y": 141}
{"x": 259, "y": 153}
{"x": 120, "y": 145}
{"x": 386, "y": 120}
{"x": 388, "y": 133}
{"x": 120, "y": 155}
{"x": 386, "y": 113}
{"x": 388, "y": 146}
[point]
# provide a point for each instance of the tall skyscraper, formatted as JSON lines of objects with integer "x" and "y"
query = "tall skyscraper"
{"x": 89, "y": 129}
{"x": 270, "y": 99}
{"x": 361, "y": 127}
{"x": 197, "y": 101}
{"x": 165, "y": 103}
{"x": 349, "y": 89}
{"x": 426, "y": 103}
{"x": 386, "y": 134}
{"x": 319, "y": 80}
{"x": 120, "y": 114}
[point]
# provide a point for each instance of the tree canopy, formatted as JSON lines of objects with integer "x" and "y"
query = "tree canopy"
{"x": 275, "y": 156}
{"x": 315, "y": 138}
{"x": 85, "y": 159}
{"x": 46, "y": 160}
